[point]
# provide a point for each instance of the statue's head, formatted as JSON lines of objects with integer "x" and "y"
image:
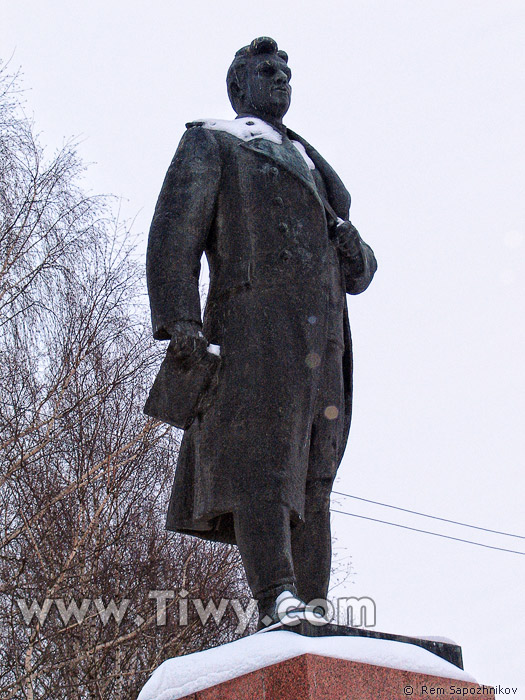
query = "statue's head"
{"x": 259, "y": 80}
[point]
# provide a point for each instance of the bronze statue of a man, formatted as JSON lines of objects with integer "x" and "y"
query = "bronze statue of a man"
{"x": 256, "y": 466}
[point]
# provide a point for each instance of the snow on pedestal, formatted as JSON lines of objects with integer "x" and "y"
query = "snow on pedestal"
{"x": 185, "y": 675}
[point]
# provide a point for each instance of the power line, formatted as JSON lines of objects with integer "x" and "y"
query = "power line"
{"x": 425, "y": 515}
{"x": 426, "y": 532}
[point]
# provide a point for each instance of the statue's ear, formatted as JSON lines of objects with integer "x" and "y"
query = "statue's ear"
{"x": 236, "y": 96}
{"x": 235, "y": 89}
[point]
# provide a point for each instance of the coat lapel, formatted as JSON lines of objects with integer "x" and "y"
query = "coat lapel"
{"x": 338, "y": 195}
{"x": 278, "y": 154}
{"x": 337, "y": 199}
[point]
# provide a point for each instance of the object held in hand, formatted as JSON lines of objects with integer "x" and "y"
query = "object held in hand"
{"x": 184, "y": 383}
{"x": 346, "y": 238}
{"x": 348, "y": 241}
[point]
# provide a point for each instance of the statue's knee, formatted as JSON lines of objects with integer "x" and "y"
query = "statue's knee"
{"x": 317, "y": 497}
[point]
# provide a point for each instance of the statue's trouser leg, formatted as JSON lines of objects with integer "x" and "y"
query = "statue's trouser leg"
{"x": 263, "y": 536}
{"x": 312, "y": 543}
{"x": 272, "y": 552}
{"x": 311, "y": 540}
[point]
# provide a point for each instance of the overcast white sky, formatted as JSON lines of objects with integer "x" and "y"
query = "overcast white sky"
{"x": 419, "y": 106}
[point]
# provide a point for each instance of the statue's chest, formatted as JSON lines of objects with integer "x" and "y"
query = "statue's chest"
{"x": 288, "y": 156}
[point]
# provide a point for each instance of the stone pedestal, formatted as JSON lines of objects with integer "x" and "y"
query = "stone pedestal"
{"x": 317, "y": 664}
{"x": 312, "y": 677}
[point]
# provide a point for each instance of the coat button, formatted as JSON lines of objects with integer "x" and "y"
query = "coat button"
{"x": 283, "y": 228}
{"x": 274, "y": 171}
{"x": 278, "y": 201}
{"x": 285, "y": 255}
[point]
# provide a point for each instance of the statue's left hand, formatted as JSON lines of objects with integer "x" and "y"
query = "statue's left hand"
{"x": 187, "y": 341}
{"x": 347, "y": 240}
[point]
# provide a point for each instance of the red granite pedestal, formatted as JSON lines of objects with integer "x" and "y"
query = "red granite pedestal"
{"x": 312, "y": 677}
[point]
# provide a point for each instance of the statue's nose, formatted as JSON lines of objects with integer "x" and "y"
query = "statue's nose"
{"x": 281, "y": 78}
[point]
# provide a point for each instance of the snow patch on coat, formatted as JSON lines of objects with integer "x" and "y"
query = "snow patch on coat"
{"x": 249, "y": 128}
{"x": 245, "y": 128}
{"x": 309, "y": 162}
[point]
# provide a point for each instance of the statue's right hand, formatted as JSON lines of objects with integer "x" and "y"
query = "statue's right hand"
{"x": 187, "y": 341}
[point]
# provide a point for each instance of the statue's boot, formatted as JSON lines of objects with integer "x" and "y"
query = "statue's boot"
{"x": 285, "y": 610}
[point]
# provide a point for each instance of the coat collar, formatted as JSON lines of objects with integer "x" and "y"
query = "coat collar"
{"x": 244, "y": 128}
{"x": 259, "y": 136}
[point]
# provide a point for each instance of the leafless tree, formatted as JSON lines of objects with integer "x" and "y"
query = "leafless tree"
{"x": 84, "y": 476}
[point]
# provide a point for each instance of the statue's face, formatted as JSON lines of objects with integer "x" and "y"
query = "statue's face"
{"x": 267, "y": 86}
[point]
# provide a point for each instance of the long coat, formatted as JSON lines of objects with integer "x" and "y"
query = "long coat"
{"x": 259, "y": 209}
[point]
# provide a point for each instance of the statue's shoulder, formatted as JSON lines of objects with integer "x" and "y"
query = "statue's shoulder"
{"x": 243, "y": 128}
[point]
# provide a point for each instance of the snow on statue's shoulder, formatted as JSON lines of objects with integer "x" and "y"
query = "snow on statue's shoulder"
{"x": 244, "y": 128}
{"x": 247, "y": 129}
{"x": 185, "y": 675}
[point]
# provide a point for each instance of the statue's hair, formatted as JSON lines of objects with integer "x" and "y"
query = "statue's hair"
{"x": 236, "y": 72}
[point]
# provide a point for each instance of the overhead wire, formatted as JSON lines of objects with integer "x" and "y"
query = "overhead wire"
{"x": 427, "y": 532}
{"x": 425, "y": 515}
